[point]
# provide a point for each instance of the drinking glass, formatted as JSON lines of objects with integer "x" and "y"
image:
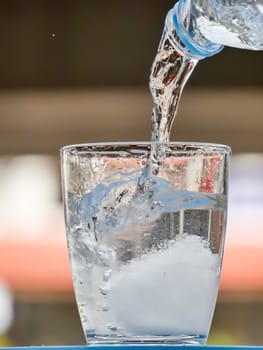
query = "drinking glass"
{"x": 145, "y": 240}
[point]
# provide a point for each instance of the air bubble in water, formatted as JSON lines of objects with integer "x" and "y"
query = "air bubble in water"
{"x": 106, "y": 275}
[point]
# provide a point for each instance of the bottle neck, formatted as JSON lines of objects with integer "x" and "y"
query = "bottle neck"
{"x": 184, "y": 33}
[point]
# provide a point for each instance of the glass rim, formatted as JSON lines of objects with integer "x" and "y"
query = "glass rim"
{"x": 182, "y": 145}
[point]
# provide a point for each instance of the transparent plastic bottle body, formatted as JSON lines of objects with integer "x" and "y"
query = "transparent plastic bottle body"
{"x": 205, "y": 26}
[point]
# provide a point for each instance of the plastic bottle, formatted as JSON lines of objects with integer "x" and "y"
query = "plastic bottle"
{"x": 201, "y": 28}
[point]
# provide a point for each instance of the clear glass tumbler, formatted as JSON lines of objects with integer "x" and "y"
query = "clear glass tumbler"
{"x": 145, "y": 247}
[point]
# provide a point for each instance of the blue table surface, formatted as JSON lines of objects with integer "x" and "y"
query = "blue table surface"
{"x": 138, "y": 347}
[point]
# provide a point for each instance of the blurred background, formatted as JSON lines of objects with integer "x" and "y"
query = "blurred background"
{"x": 77, "y": 71}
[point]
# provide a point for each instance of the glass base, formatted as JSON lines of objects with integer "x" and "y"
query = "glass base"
{"x": 150, "y": 340}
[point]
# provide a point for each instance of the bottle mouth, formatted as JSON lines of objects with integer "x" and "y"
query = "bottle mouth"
{"x": 198, "y": 51}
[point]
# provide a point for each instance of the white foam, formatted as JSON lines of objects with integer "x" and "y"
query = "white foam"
{"x": 170, "y": 291}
